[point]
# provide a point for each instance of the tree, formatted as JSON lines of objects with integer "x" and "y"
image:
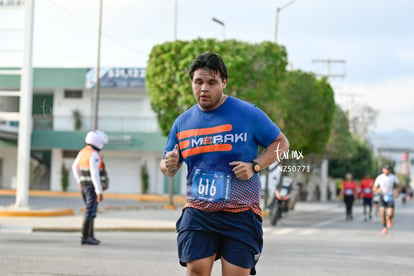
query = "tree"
{"x": 254, "y": 72}
{"x": 340, "y": 143}
{"x": 362, "y": 119}
{"x": 360, "y": 163}
{"x": 304, "y": 108}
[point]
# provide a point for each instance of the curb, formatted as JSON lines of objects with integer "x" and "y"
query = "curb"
{"x": 36, "y": 213}
{"x": 139, "y": 197}
{"x": 105, "y": 229}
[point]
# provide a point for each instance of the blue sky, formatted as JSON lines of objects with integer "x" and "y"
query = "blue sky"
{"x": 374, "y": 37}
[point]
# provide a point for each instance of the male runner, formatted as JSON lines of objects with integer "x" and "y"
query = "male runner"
{"x": 385, "y": 184}
{"x": 218, "y": 139}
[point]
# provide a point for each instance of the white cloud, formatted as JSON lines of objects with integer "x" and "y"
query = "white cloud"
{"x": 392, "y": 98}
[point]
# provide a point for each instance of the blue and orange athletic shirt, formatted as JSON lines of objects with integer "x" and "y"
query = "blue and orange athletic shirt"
{"x": 210, "y": 140}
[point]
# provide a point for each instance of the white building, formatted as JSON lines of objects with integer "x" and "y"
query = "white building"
{"x": 62, "y": 115}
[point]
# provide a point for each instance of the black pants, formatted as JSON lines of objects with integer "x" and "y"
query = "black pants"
{"x": 349, "y": 201}
{"x": 89, "y": 197}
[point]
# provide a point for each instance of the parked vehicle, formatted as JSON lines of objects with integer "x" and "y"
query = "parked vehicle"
{"x": 280, "y": 202}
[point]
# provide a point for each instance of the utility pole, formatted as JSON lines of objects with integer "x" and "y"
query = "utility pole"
{"x": 97, "y": 71}
{"x": 25, "y": 110}
{"x": 329, "y": 62}
{"x": 278, "y": 10}
{"x": 175, "y": 19}
{"x": 222, "y": 24}
{"x": 324, "y": 164}
{"x": 25, "y": 94}
{"x": 171, "y": 179}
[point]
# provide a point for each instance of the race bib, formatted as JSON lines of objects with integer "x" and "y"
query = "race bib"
{"x": 388, "y": 198}
{"x": 349, "y": 192}
{"x": 211, "y": 186}
{"x": 367, "y": 190}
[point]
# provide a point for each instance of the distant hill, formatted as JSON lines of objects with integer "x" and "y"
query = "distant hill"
{"x": 399, "y": 138}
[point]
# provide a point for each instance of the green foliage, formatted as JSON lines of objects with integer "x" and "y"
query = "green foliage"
{"x": 64, "y": 180}
{"x": 340, "y": 143}
{"x": 380, "y": 161}
{"x": 360, "y": 163}
{"x": 77, "y": 120}
{"x": 304, "y": 109}
{"x": 144, "y": 179}
{"x": 254, "y": 72}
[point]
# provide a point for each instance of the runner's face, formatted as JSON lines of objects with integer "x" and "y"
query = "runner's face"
{"x": 386, "y": 171}
{"x": 208, "y": 89}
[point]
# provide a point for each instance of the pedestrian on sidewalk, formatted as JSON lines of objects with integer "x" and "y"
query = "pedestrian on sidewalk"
{"x": 367, "y": 185}
{"x": 349, "y": 190}
{"x": 388, "y": 186}
{"x": 89, "y": 172}
{"x": 218, "y": 139}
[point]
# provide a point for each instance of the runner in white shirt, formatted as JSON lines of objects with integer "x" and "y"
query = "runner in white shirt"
{"x": 385, "y": 184}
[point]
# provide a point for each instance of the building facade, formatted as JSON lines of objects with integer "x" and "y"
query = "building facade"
{"x": 63, "y": 114}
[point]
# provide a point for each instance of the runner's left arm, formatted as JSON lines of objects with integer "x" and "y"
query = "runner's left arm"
{"x": 244, "y": 170}
{"x": 399, "y": 187}
{"x": 269, "y": 156}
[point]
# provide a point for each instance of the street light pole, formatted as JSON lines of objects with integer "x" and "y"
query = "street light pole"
{"x": 171, "y": 179}
{"x": 222, "y": 24}
{"x": 175, "y": 19}
{"x": 278, "y": 10}
{"x": 25, "y": 110}
{"x": 97, "y": 71}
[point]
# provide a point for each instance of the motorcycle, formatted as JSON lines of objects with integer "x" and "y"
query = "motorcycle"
{"x": 280, "y": 202}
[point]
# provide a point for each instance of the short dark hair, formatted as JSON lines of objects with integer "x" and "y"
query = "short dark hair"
{"x": 211, "y": 62}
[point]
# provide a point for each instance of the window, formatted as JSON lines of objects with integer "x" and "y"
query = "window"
{"x": 70, "y": 154}
{"x": 77, "y": 94}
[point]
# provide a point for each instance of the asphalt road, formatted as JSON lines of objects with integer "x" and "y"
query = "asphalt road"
{"x": 312, "y": 241}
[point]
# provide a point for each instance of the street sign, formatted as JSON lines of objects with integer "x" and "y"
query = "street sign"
{"x": 11, "y": 3}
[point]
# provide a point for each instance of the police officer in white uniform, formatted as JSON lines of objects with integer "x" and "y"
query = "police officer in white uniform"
{"x": 89, "y": 171}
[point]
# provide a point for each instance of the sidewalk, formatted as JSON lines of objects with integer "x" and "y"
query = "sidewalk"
{"x": 162, "y": 220}
{"x": 115, "y": 219}
{"x": 63, "y": 212}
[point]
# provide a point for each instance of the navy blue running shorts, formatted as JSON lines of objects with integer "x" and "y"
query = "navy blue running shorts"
{"x": 237, "y": 237}
{"x": 367, "y": 201}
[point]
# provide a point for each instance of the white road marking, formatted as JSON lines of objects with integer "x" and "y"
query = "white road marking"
{"x": 283, "y": 231}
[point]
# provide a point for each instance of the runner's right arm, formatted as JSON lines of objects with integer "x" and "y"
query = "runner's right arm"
{"x": 170, "y": 164}
{"x": 376, "y": 187}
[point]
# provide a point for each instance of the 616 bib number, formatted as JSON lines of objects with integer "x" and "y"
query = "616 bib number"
{"x": 211, "y": 186}
{"x": 207, "y": 189}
